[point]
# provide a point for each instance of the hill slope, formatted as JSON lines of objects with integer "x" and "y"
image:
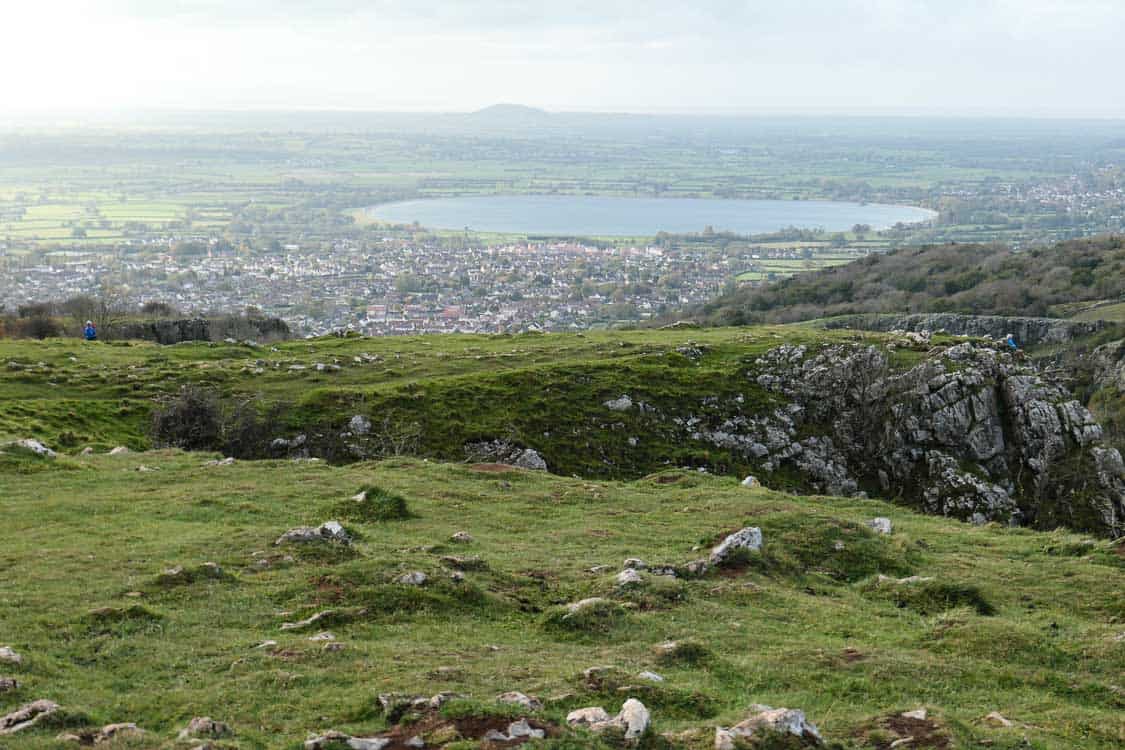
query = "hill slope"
{"x": 972, "y": 279}
{"x": 1023, "y": 623}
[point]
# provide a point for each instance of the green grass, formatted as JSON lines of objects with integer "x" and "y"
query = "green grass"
{"x": 803, "y": 625}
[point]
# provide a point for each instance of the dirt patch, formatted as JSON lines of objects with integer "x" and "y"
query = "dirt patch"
{"x": 851, "y": 655}
{"x": 925, "y": 733}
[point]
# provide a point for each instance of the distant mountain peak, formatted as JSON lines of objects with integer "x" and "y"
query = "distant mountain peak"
{"x": 510, "y": 111}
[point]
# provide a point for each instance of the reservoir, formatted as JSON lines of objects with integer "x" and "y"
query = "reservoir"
{"x": 605, "y": 216}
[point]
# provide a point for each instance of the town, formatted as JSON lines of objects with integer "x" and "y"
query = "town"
{"x": 395, "y": 285}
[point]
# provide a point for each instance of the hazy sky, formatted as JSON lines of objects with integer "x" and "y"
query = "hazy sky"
{"x": 1052, "y": 57}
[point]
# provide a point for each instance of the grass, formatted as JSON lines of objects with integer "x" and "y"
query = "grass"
{"x": 802, "y": 627}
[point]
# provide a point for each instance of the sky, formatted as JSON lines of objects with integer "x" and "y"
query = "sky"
{"x": 951, "y": 57}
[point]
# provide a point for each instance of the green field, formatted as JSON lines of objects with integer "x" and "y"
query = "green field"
{"x": 1035, "y": 632}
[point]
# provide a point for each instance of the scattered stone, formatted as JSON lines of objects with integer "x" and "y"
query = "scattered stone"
{"x": 880, "y": 525}
{"x": 751, "y": 481}
{"x": 322, "y": 636}
{"x": 462, "y": 537}
{"x": 109, "y": 731}
{"x": 635, "y": 563}
{"x": 587, "y": 717}
{"x": 624, "y": 403}
{"x": 650, "y": 677}
{"x": 143, "y": 468}
{"x": 517, "y": 698}
{"x": 903, "y": 742}
{"x": 329, "y": 531}
{"x": 531, "y": 459}
{"x": 31, "y": 445}
{"x": 8, "y": 656}
{"x": 308, "y": 621}
{"x": 521, "y": 729}
{"x": 333, "y": 646}
{"x": 119, "y": 451}
{"x": 221, "y": 462}
{"x": 599, "y": 569}
{"x": 413, "y": 578}
{"x": 205, "y": 726}
{"x": 87, "y": 451}
{"x": 8, "y": 684}
{"x": 782, "y": 720}
{"x": 919, "y": 713}
{"x": 266, "y": 644}
{"x": 629, "y": 577}
{"x": 27, "y": 716}
{"x": 749, "y": 538}
{"x": 997, "y": 719}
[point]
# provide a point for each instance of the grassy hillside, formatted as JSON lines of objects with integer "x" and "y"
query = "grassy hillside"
{"x": 545, "y": 391}
{"x": 971, "y": 279}
{"x": 1028, "y": 624}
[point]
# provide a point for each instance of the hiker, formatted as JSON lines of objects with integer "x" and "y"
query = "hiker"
{"x": 90, "y": 332}
{"x": 1011, "y": 342}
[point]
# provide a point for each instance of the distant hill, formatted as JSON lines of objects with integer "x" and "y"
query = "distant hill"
{"x": 510, "y": 114}
{"x": 971, "y": 279}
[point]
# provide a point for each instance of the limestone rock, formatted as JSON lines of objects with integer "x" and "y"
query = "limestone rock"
{"x": 997, "y": 719}
{"x": 329, "y": 531}
{"x": 634, "y": 718}
{"x": 309, "y": 621}
{"x": 751, "y": 481}
{"x": 31, "y": 445}
{"x": 880, "y": 525}
{"x": 119, "y": 451}
{"x": 8, "y": 656}
{"x": 8, "y": 684}
{"x": 624, "y": 403}
{"x": 517, "y": 698}
{"x": 530, "y": 459}
{"x": 462, "y": 537}
{"x": 27, "y": 716}
{"x": 413, "y": 578}
{"x": 783, "y": 720}
{"x": 588, "y": 717}
{"x": 650, "y": 677}
{"x": 359, "y": 425}
{"x": 629, "y": 577}
{"x": 205, "y": 726}
{"x": 749, "y": 538}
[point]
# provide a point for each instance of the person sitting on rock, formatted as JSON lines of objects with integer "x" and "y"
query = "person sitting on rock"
{"x": 90, "y": 332}
{"x": 1011, "y": 342}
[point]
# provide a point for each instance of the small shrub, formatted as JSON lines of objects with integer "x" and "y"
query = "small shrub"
{"x": 377, "y": 504}
{"x": 689, "y": 653}
{"x": 598, "y": 617}
{"x": 933, "y": 597}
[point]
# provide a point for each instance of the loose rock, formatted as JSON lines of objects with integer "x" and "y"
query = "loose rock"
{"x": 413, "y": 578}
{"x": 880, "y": 525}
{"x": 329, "y": 531}
{"x": 205, "y": 726}
{"x": 27, "y": 716}
{"x": 517, "y": 698}
{"x": 8, "y": 656}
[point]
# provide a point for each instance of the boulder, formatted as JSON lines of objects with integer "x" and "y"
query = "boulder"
{"x": 880, "y": 525}
{"x": 624, "y": 403}
{"x": 595, "y": 716}
{"x": 413, "y": 578}
{"x": 530, "y": 459}
{"x": 751, "y": 481}
{"x": 634, "y": 718}
{"x": 329, "y": 531}
{"x": 359, "y": 425}
{"x": 27, "y": 716}
{"x": 8, "y": 684}
{"x": 629, "y": 577}
{"x": 781, "y": 720}
{"x": 749, "y": 538}
{"x": 517, "y": 698}
{"x": 33, "y": 446}
{"x": 119, "y": 451}
{"x": 8, "y": 656}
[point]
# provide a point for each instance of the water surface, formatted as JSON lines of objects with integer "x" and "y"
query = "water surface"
{"x": 638, "y": 217}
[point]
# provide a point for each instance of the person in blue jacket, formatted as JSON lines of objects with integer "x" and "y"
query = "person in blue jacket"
{"x": 90, "y": 332}
{"x": 1011, "y": 342}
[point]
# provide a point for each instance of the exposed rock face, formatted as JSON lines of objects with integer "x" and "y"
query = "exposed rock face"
{"x": 200, "y": 329}
{"x": 749, "y": 538}
{"x": 501, "y": 451}
{"x": 1028, "y": 331}
{"x": 969, "y": 432}
{"x": 783, "y": 720}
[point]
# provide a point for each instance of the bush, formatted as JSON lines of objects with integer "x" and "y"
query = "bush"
{"x": 191, "y": 420}
{"x": 377, "y": 504}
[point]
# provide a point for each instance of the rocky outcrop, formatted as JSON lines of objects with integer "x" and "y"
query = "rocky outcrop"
{"x": 1028, "y": 331}
{"x": 200, "y": 329}
{"x": 970, "y": 432}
